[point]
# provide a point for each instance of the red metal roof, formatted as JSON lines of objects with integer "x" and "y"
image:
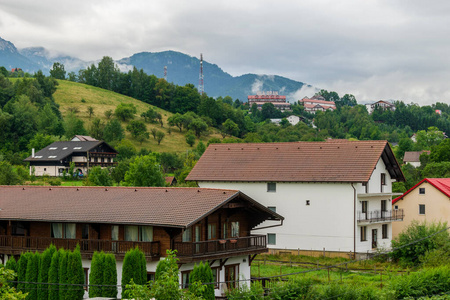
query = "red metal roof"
{"x": 442, "y": 184}
{"x": 330, "y": 161}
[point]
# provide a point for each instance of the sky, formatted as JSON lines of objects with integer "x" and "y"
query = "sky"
{"x": 373, "y": 49}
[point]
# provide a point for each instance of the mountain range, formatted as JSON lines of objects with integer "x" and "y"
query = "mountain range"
{"x": 181, "y": 69}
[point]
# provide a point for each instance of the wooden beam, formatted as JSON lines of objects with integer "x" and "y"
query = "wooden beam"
{"x": 250, "y": 259}
{"x": 222, "y": 262}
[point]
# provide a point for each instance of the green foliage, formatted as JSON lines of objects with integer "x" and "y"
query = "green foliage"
{"x": 230, "y": 128}
{"x": 408, "y": 252}
{"x": 254, "y": 292}
{"x": 55, "y": 181}
{"x": 97, "y": 129}
{"x": 53, "y": 276}
{"x": 57, "y": 71}
{"x": 201, "y": 148}
{"x": 125, "y": 111}
{"x": 12, "y": 265}
{"x": 62, "y": 273}
{"x": 169, "y": 161}
{"x": 22, "y": 270}
{"x": 198, "y": 126}
{"x": 190, "y": 139}
{"x": 159, "y": 136}
{"x": 96, "y": 274}
{"x": 292, "y": 289}
{"x": 44, "y": 268}
{"x": 73, "y": 126}
{"x": 8, "y": 175}
{"x": 134, "y": 268}
{"x": 110, "y": 276}
{"x": 8, "y": 292}
{"x": 426, "y": 282}
{"x": 144, "y": 171}
{"x": 202, "y": 273}
{"x": 40, "y": 141}
{"x": 118, "y": 173}
{"x": 137, "y": 128}
{"x": 75, "y": 275}
{"x": 98, "y": 177}
{"x": 32, "y": 275}
{"x": 126, "y": 150}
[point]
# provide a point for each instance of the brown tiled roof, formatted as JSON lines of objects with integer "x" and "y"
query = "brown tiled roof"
{"x": 413, "y": 156}
{"x": 330, "y": 161}
{"x": 172, "y": 207}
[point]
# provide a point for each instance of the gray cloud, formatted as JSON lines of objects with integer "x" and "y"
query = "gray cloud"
{"x": 376, "y": 49}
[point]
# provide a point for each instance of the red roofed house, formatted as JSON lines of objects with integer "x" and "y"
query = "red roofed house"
{"x": 201, "y": 224}
{"x": 262, "y": 98}
{"x": 428, "y": 200}
{"x": 334, "y": 195}
{"x": 316, "y": 103}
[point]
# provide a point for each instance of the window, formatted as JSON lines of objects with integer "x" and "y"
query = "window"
{"x": 216, "y": 277}
{"x": 19, "y": 228}
{"x": 138, "y": 233}
{"x": 422, "y": 191}
{"x": 383, "y": 179}
{"x": 150, "y": 276}
{"x": 271, "y": 187}
{"x": 225, "y": 230}
{"x": 272, "y": 208}
{"x": 115, "y": 232}
{"x": 366, "y": 186}
{"x": 271, "y": 239}
{"x": 308, "y": 202}
{"x": 363, "y": 233}
{"x": 85, "y": 232}
{"x": 395, "y": 207}
{"x": 66, "y": 230}
{"x": 212, "y": 231}
{"x": 86, "y": 278}
{"x": 383, "y": 205}
{"x": 52, "y": 148}
{"x": 231, "y": 275}
{"x": 421, "y": 209}
{"x": 185, "y": 279}
{"x": 364, "y": 207}
{"x": 187, "y": 235}
{"x": 384, "y": 231}
{"x": 234, "y": 229}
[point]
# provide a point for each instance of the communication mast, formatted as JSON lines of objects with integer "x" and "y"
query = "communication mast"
{"x": 165, "y": 73}
{"x": 201, "y": 87}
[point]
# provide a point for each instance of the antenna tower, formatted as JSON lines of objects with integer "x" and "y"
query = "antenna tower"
{"x": 201, "y": 87}
{"x": 165, "y": 73}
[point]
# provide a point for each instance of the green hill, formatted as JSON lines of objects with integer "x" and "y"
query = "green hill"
{"x": 76, "y": 95}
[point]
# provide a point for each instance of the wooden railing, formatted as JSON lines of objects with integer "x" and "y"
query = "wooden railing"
{"x": 221, "y": 246}
{"x": 381, "y": 216}
{"x": 26, "y": 243}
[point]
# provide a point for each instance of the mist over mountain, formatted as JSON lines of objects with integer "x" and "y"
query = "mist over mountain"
{"x": 181, "y": 69}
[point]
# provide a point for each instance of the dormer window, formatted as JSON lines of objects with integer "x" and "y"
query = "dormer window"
{"x": 52, "y": 148}
{"x": 76, "y": 148}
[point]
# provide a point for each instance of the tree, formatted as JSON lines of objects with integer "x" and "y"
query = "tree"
{"x": 8, "y": 175}
{"x": 159, "y": 136}
{"x": 125, "y": 112}
{"x": 53, "y": 276}
{"x": 6, "y": 290}
{"x": 113, "y": 131}
{"x": 190, "y": 139}
{"x": 32, "y": 275}
{"x": 58, "y": 71}
{"x": 44, "y": 268}
{"x": 107, "y": 73}
{"x": 109, "y": 113}
{"x": 99, "y": 177}
{"x": 62, "y": 273}
{"x": 90, "y": 111}
{"x": 97, "y": 129}
{"x": 110, "y": 276}
{"x": 230, "y": 128}
{"x": 169, "y": 161}
{"x": 433, "y": 136}
{"x": 144, "y": 171}
{"x": 22, "y": 270}
{"x": 440, "y": 152}
{"x": 118, "y": 173}
{"x": 73, "y": 126}
{"x": 12, "y": 265}
{"x": 198, "y": 126}
{"x": 126, "y": 150}
{"x": 75, "y": 275}
{"x": 268, "y": 111}
{"x": 201, "y": 148}
{"x": 176, "y": 120}
{"x": 137, "y": 128}
{"x": 202, "y": 273}
{"x": 134, "y": 268}
{"x": 96, "y": 274}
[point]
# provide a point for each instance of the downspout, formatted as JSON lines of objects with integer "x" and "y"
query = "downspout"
{"x": 354, "y": 221}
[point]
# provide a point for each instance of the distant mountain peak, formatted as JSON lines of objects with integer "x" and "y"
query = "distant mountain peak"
{"x": 7, "y": 46}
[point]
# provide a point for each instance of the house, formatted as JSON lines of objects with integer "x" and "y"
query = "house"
{"x": 316, "y": 103}
{"x": 262, "y": 98}
{"x": 84, "y": 151}
{"x": 292, "y": 119}
{"x": 335, "y": 195}
{"x": 413, "y": 157}
{"x": 426, "y": 201}
{"x": 201, "y": 224}
{"x": 383, "y": 104}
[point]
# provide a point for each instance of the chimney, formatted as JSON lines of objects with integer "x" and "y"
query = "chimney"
{"x": 32, "y": 153}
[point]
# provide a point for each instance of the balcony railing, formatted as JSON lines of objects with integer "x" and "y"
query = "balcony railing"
{"x": 26, "y": 243}
{"x": 214, "y": 247}
{"x": 93, "y": 164}
{"x": 380, "y": 216}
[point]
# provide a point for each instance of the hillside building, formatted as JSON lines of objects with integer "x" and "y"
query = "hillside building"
{"x": 262, "y": 98}
{"x": 316, "y": 103}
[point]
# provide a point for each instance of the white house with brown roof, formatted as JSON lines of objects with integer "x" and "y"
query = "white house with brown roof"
{"x": 316, "y": 103}
{"x": 334, "y": 195}
{"x": 413, "y": 157}
{"x": 210, "y": 225}
{"x": 429, "y": 201}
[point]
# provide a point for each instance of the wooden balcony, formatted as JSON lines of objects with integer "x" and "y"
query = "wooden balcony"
{"x": 378, "y": 216}
{"x": 18, "y": 244}
{"x": 219, "y": 248}
{"x": 93, "y": 164}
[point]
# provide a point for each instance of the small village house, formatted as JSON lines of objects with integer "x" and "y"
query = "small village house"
{"x": 429, "y": 201}
{"x": 335, "y": 195}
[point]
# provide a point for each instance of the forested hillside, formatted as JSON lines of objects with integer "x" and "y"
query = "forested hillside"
{"x": 170, "y": 119}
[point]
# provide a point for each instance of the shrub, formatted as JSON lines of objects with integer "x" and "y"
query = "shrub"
{"x": 134, "y": 267}
{"x": 110, "y": 276}
{"x": 11, "y": 264}
{"x": 53, "y": 276}
{"x": 22, "y": 270}
{"x": 292, "y": 289}
{"x": 409, "y": 252}
{"x": 75, "y": 275}
{"x": 202, "y": 273}
{"x": 63, "y": 256}
{"x": 254, "y": 292}
{"x": 96, "y": 275}
{"x": 44, "y": 267}
{"x": 32, "y": 275}
{"x": 55, "y": 181}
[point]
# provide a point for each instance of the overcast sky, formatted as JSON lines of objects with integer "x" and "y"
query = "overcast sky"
{"x": 373, "y": 49}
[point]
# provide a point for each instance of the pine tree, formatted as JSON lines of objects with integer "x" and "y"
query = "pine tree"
{"x": 134, "y": 267}
{"x": 110, "y": 276}
{"x": 96, "y": 274}
{"x": 63, "y": 256}
{"x": 75, "y": 275}
{"x": 22, "y": 271}
{"x": 32, "y": 275}
{"x": 46, "y": 260}
{"x": 53, "y": 276}
{"x": 11, "y": 264}
{"x": 202, "y": 273}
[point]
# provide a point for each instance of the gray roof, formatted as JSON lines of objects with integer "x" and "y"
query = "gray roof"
{"x": 60, "y": 150}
